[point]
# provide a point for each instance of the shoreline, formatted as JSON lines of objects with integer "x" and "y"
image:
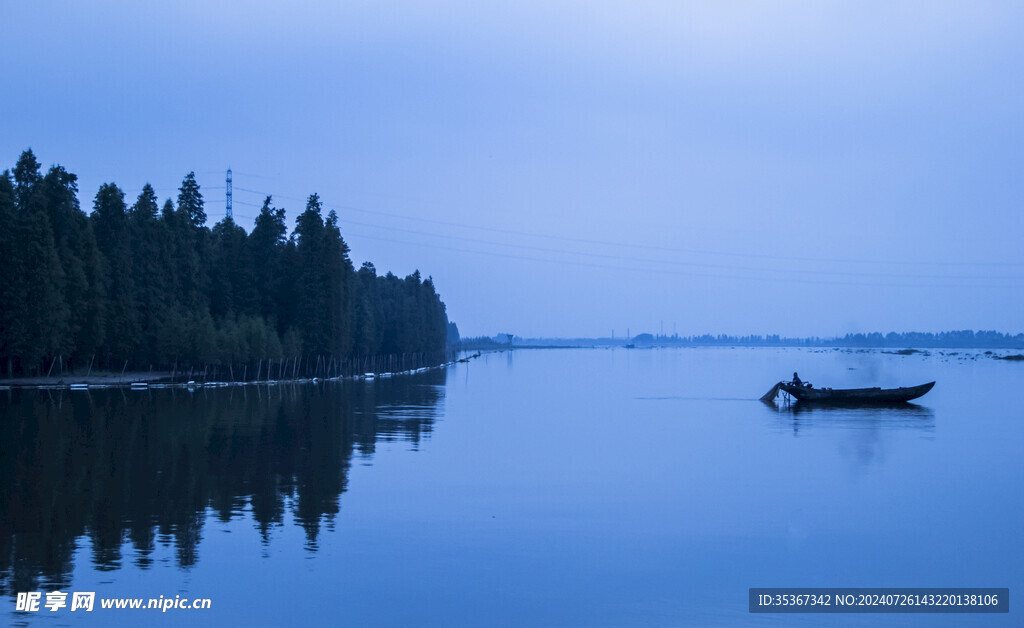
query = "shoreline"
{"x": 158, "y": 379}
{"x": 144, "y": 380}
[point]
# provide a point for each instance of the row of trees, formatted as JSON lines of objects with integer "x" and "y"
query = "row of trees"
{"x": 947, "y": 339}
{"x": 922, "y": 340}
{"x": 152, "y": 286}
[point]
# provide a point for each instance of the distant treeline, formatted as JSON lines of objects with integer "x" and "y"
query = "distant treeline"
{"x": 949, "y": 339}
{"x": 959, "y": 339}
{"x": 150, "y": 286}
{"x": 485, "y": 342}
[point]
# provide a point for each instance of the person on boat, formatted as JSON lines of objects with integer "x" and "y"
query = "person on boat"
{"x": 796, "y": 380}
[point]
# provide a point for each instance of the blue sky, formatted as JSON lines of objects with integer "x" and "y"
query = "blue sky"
{"x": 573, "y": 168}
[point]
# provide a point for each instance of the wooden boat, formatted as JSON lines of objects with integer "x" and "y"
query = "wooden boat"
{"x": 854, "y": 395}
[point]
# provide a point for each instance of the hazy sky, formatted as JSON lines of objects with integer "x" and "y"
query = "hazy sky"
{"x": 577, "y": 167}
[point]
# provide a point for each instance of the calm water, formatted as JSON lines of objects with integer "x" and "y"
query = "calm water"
{"x": 541, "y": 488}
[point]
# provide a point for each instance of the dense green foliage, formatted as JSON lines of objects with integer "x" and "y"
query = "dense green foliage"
{"x": 151, "y": 287}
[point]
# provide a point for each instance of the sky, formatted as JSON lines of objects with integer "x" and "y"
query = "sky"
{"x": 575, "y": 168}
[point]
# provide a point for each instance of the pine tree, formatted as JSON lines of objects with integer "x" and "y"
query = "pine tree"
{"x": 266, "y": 247}
{"x": 313, "y": 302}
{"x": 40, "y": 313}
{"x": 338, "y": 280}
{"x": 150, "y": 272}
{"x": 365, "y": 335}
{"x": 288, "y": 296}
{"x": 190, "y": 201}
{"x": 84, "y": 272}
{"x": 232, "y": 289}
{"x": 8, "y": 222}
{"x": 110, "y": 223}
{"x": 26, "y": 178}
{"x": 187, "y": 237}
{"x": 41, "y": 316}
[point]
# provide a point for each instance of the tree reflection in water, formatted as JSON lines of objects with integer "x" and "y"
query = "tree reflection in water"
{"x": 121, "y": 466}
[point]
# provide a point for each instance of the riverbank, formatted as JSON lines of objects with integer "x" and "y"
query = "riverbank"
{"x": 165, "y": 379}
{"x": 101, "y": 378}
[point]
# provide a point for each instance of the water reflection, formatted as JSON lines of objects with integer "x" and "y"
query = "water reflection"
{"x": 863, "y": 426}
{"x": 888, "y": 415}
{"x": 144, "y": 467}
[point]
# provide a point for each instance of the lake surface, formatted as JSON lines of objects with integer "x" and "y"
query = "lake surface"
{"x": 538, "y": 487}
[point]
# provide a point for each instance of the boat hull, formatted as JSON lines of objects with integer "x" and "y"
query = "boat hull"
{"x": 856, "y": 395}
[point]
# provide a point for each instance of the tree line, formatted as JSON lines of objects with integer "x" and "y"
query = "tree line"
{"x": 966, "y": 339}
{"x": 924, "y": 340}
{"x": 149, "y": 286}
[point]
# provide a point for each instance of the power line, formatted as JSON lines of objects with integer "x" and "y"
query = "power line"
{"x": 666, "y": 271}
{"x": 651, "y": 247}
{"x": 672, "y": 262}
{"x": 663, "y": 261}
{"x": 689, "y": 273}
